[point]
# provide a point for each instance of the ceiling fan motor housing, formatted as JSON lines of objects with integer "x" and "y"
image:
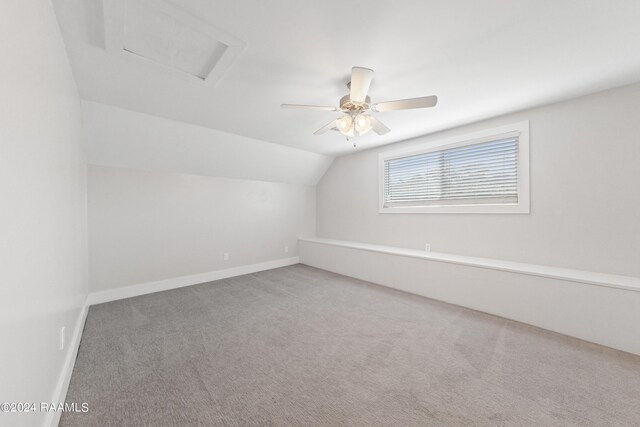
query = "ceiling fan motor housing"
{"x": 347, "y": 104}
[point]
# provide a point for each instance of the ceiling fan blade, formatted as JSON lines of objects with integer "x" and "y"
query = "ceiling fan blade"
{"x": 378, "y": 127}
{"x": 406, "y": 104}
{"x": 332, "y": 124}
{"x": 360, "y": 81}
{"x": 310, "y": 107}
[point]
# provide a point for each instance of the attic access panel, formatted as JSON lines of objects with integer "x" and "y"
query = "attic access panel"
{"x": 156, "y": 33}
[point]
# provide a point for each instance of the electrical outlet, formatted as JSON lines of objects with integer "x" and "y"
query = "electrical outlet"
{"x": 427, "y": 247}
{"x": 225, "y": 256}
{"x": 286, "y": 249}
{"x": 62, "y": 338}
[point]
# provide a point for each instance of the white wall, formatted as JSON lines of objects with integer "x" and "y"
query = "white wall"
{"x": 585, "y": 202}
{"x": 149, "y": 226}
{"x": 42, "y": 206}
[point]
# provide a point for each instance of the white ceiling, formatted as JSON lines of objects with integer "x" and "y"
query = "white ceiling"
{"x": 481, "y": 57}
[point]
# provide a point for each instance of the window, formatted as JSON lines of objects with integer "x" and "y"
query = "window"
{"x": 487, "y": 172}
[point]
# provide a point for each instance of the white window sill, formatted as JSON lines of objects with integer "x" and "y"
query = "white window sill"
{"x": 458, "y": 209}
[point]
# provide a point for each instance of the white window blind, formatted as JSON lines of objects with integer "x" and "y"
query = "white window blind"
{"x": 483, "y": 173}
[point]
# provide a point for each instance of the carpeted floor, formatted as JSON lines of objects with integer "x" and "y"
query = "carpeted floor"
{"x": 302, "y": 346}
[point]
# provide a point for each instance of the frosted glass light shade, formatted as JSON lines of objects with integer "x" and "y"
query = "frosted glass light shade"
{"x": 345, "y": 125}
{"x": 362, "y": 124}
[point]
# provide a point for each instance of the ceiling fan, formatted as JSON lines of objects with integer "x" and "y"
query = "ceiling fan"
{"x": 357, "y": 107}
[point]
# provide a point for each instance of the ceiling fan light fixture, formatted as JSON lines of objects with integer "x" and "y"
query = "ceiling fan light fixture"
{"x": 357, "y": 107}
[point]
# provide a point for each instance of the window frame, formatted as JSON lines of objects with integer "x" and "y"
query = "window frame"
{"x": 520, "y": 129}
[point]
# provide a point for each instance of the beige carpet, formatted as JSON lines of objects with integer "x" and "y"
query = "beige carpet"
{"x": 301, "y": 346}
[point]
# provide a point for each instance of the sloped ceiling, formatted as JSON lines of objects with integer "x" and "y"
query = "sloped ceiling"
{"x": 131, "y": 140}
{"x": 481, "y": 57}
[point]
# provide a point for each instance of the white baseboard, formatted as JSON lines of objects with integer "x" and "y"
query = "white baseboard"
{"x": 179, "y": 282}
{"x": 60, "y": 392}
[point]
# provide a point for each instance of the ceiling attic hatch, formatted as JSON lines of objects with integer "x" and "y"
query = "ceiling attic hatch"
{"x": 156, "y": 33}
{"x": 160, "y": 37}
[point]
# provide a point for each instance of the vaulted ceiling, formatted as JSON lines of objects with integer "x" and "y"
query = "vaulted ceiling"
{"x": 481, "y": 57}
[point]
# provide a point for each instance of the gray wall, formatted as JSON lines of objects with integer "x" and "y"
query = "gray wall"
{"x": 585, "y": 199}
{"x": 43, "y": 282}
{"x": 149, "y": 226}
